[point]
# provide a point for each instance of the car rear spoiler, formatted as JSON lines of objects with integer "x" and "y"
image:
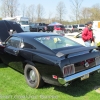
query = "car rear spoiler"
{"x": 74, "y": 50}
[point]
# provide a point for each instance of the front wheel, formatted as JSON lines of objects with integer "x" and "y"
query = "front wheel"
{"x": 33, "y": 78}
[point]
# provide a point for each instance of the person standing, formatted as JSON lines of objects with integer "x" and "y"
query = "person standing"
{"x": 87, "y": 34}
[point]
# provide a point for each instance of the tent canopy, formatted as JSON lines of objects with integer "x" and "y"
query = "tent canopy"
{"x": 54, "y": 23}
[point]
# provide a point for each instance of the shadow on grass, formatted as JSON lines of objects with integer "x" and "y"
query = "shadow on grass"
{"x": 78, "y": 88}
{"x": 2, "y": 65}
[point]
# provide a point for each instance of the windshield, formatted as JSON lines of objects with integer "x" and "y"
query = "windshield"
{"x": 81, "y": 25}
{"x": 74, "y": 26}
{"x": 55, "y": 42}
{"x": 70, "y": 26}
{"x": 23, "y": 22}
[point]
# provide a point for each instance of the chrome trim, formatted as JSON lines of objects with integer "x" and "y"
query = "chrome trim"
{"x": 77, "y": 75}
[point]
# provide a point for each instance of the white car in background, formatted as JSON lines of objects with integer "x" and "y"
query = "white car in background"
{"x": 23, "y": 21}
{"x": 71, "y": 28}
{"x": 80, "y": 27}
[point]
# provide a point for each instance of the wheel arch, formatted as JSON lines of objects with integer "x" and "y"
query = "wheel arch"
{"x": 28, "y": 62}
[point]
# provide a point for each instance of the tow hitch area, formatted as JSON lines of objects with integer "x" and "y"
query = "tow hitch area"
{"x": 84, "y": 77}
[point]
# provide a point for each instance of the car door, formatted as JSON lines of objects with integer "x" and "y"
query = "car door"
{"x": 11, "y": 56}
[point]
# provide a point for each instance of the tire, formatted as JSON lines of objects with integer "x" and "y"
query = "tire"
{"x": 41, "y": 30}
{"x": 33, "y": 78}
{"x": 68, "y": 31}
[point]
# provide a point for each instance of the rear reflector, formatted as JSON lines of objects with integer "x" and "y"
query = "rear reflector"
{"x": 55, "y": 77}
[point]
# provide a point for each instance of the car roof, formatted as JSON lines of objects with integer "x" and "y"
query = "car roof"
{"x": 34, "y": 34}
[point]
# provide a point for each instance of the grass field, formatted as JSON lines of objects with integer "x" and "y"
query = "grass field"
{"x": 13, "y": 87}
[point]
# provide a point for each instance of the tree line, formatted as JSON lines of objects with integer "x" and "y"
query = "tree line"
{"x": 78, "y": 14}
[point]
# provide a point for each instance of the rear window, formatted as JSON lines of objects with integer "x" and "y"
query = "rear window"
{"x": 69, "y": 26}
{"x": 55, "y": 42}
{"x": 75, "y": 26}
{"x": 81, "y": 25}
{"x": 42, "y": 24}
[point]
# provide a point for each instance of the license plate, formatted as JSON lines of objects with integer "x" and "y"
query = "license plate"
{"x": 85, "y": 77}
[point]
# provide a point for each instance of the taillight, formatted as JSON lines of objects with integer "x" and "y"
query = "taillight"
{"x": 97, "y": 60}
{"x": 68, "y": 70}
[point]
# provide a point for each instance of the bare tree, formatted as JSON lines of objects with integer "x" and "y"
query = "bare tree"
{"x": 76, "y": 6}
{"x": 23, "y": 9}
{"x": 39, "y": 12}
{"x": 95, "y": 12}
{"x": 61, "y": 10}
{"x": 85, "y": 14}
{"x": 30, "y": 12}
{"x": 9, "y": 8}
{"x": 49, "y": 17}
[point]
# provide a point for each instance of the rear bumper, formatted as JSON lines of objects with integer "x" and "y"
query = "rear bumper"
{"x": 77, "y": 75}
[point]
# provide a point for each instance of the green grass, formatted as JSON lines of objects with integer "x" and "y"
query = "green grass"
{"x": 13, "y": 87}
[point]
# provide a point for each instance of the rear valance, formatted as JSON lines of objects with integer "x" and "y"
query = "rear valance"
{"x": 74, "y": 50}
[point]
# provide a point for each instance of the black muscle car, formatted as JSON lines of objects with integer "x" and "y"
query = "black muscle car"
{"x": 49, "y": 57}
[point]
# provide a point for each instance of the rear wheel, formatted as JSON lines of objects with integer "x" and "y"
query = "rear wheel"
{"x": 33, "y": 78}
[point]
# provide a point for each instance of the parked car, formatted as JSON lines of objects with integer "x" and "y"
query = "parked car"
{"x": 37, "y": 27}
{"x": 58, "y": 28}
{"x": 48, "y": 57}
{"x": 71, "y": 28}
{"x": 80, "y": 27}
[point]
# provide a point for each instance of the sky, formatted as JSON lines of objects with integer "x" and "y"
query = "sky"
{"x": 50, "y": 5}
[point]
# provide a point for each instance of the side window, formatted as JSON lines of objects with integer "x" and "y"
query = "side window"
{"x": 14, "y": 42}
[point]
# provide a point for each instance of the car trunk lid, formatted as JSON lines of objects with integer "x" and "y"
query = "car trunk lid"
{"x": 82, "y": 57}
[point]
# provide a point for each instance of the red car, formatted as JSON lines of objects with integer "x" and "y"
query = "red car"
{"x": 59, "y": 27}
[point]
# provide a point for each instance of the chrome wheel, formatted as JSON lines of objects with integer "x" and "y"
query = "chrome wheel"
{"x": 32, "y": 76}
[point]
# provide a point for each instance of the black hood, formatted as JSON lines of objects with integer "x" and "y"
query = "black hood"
{"x": 5, "y": 26}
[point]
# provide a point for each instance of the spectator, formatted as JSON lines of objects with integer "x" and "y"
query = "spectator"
{"x": 87, "y": 34}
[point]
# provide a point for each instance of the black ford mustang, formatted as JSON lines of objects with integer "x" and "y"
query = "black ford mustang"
{"x": 49, "y": 57}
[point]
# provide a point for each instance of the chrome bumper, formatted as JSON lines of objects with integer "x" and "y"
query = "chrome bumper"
{"x": 77, "y": 75}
